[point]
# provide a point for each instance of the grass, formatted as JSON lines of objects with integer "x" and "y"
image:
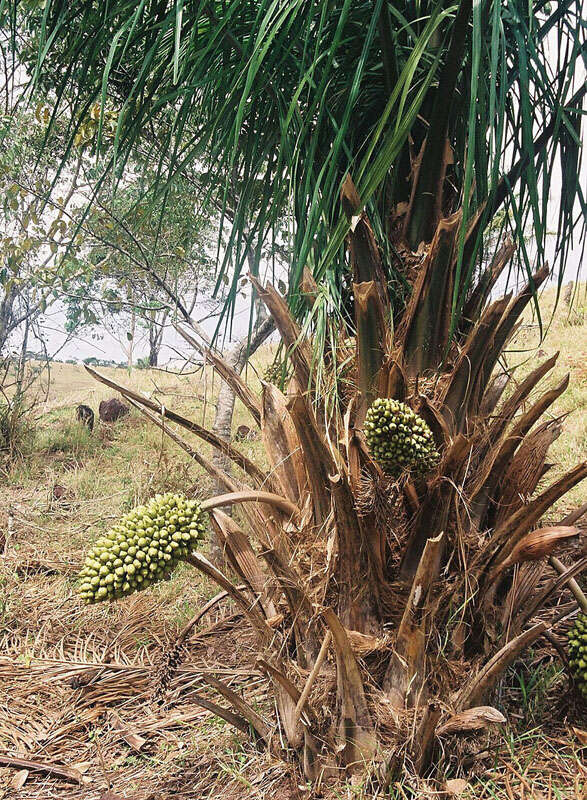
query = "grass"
{"x": 564, "y": 332}
{"x": 68, "y": 486}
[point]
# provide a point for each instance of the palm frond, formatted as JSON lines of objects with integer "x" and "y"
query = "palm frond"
{"x": 276, "y": 101}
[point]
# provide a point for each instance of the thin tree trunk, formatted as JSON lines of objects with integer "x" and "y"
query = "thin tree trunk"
{"x": 21, "y": 366}
{"x": 153, "y": 355}
{"x": 156, "y": 329}
{"x": 236, "y": 358}
{"x": 7, "y": 317}
{"x": 154, "y": 341}
{"x": 131, "y": 340}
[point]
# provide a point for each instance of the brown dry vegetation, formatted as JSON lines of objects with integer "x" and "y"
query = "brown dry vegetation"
{"x": 75, "y": 682}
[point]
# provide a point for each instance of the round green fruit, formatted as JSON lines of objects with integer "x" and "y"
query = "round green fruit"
{"x": 398, "y": 439}
{"x": 578, "y": 652}
{"x": 121, "y": 562}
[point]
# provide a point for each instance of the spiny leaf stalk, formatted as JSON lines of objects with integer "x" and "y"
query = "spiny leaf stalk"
{"x": 399, "y": 440}
{"x": 142, "y": 548}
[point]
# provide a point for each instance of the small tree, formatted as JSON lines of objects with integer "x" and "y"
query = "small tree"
{"x": 134, "y": 269}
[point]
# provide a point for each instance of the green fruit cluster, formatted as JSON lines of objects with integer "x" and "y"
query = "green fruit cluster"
{"x": 274, "y": 373}
{"x": 398, "y": 439}
{"x": 142, "y": 548}
{"x": 578, "y": 652}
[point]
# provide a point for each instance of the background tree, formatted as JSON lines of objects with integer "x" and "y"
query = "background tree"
{"x": 133, "y": 263}
{"x": 33, "y": 237}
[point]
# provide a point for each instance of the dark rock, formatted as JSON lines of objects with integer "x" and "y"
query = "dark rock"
{"x": 245, "y": 434}
{"x": 85, "y": 415}
{"x": 111, "y": 410}
{"x": 61, "y": 497}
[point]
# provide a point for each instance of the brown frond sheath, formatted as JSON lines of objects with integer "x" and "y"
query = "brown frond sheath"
{"x": 468, "y": 368}
{"x": 423, "y": 745}
{"x": 372, "y": 341}
{"x": 510, "y": 318}
{"x": 287, "y": 695}
{"x": 534, "y": 546}
{"x": 509, "y": 408}
{"x": 473, "y": 719}
{"x": 525, "y": 470}
{"x": 317, "y": 456}
{"x": 302, "y": 701}
{"x": 355, "y": 733}
{"x": 493, "y": 393}
{"x": 405, "y": 678}
{"x": 429, "y": 312}
{"x": 486, "y": 283}
{"x": 563, "y": 579}
{"x": 238, "y": 722}
{"x": 315, "y": 762}
{"x": 364, "y": 253}
{"x": 282, "y": 444}
{"x": 305, "y": 629}
{"x": 351, "y": 567}
{"x": 497, "y": 460}
{"x": 435, "y": 421}
{"x": 393, "y": 381}
{"x": 298, "y": 347}
{"x": 480, "y": 685}
{"x": 243, "y": 559}
{"x": 434, "y": 512}
{"x": 512, "y": 530}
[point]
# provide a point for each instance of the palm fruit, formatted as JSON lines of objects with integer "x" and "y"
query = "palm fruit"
{"x": 142, "y": 548}
{"x": 274, "y": 373}
{"x": 398, "y": 439}
{"x": 578, "y": 652}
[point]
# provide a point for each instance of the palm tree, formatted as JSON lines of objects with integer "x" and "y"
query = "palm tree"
{"x": 395, "y": 137}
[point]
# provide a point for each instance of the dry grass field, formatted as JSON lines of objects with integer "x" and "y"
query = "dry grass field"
{"x": 78, "y": 685}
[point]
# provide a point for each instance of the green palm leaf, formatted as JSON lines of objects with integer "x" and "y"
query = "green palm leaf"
{"x": 277, "y": 100}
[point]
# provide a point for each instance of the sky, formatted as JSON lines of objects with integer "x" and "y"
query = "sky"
{"x": 103, "y": 344}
